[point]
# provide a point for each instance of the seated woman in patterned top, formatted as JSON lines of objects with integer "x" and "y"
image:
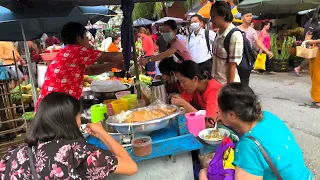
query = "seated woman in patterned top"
{"x": 59, "y": 150}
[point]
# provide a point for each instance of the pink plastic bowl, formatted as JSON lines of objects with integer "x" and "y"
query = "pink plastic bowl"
{"x": 122, "y": 93}
{"x": 48, "y": 56}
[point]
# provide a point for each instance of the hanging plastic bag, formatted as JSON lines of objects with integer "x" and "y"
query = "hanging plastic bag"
{"x": 3, "y": 73}
{"x": 260, "y": 63}
{"x": 221, "y": 167}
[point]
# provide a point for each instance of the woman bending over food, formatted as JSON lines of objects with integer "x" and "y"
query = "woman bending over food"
{"x": 59, "y": 150}
{"x": 241, "y": 110}
{"x": 167, "y": 68}
{"x": 199, "y": 90}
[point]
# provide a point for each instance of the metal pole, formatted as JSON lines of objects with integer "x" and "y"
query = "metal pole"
{"x": 31, "y": 75}
{"x": 136, "y": 68}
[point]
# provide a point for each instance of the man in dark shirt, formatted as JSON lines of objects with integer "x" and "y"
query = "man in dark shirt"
{"x": 163, "y": 46}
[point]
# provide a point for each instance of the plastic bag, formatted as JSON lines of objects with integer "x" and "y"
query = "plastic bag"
{"x": 154, "y": 111}
{"x": 107, "y": 86}
{"x": 3, "y": 73}
{"x": 221, "y": 167}
{"x": 146, "y": 91}
{"x": 260, "y": 63}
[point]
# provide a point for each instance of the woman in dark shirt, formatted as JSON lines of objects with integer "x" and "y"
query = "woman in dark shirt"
{"x": 167, "y": 68}
{"x": 59, "y": 150}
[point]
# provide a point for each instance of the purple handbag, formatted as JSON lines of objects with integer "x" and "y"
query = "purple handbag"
{"x": 216, "y": 170}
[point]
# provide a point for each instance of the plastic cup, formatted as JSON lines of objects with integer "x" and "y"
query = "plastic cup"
{"x": 119, "y": 105}
{"x": 131, "y": 98}
{"x": 97, "y": 112}
{"x": 138, "y": 104}
{"x": 110, "y": 110}
{"x": 122, "y": 93}
{"x": 108, "y": 101}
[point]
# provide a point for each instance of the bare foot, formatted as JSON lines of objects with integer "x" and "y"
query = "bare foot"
{"x": 297, "y": 71}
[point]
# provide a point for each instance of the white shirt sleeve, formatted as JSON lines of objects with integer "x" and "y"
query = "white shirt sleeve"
{"x": 212, "y": 36}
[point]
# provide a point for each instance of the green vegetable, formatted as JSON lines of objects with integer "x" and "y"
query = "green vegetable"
{"x": 145, "y": 79}
{"x": 16, "y": 96}
{"x": 28, "y": 116}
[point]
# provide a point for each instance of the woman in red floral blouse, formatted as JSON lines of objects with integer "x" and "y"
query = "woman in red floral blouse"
{"x": 59, "y": 150}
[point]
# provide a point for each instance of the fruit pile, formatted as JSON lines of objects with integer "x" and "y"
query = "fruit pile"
{"x": 123, "y": 80}
{"x": 26, "y": 94}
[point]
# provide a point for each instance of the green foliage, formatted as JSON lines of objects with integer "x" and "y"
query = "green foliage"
{"x": 189, "y": 4}
{"x": 286, "y": 46}
{"x": 274, "y": 46}
{"x": 147, "y": 10}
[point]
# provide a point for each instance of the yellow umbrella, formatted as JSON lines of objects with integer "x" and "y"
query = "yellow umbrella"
{"x": 235, "y": 11}
{"x": 205, "y": 12}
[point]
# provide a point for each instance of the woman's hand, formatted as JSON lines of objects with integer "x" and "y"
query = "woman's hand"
{"x": 143, "y": 61}
{"x": 178, "y": 101}
{"x": 203, "y": 174}
{"x": 95, "y": 129}
{"x": 270, "y": 54}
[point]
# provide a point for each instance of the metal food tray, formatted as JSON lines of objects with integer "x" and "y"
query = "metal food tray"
{"x": 142, "y": 127}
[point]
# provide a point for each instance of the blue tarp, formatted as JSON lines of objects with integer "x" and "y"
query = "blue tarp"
{"x": 37, "y": 23}
{"x": 142, "y": 22}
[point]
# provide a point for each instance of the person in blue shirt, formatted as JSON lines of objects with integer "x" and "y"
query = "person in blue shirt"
{"x": 240, "y": 109}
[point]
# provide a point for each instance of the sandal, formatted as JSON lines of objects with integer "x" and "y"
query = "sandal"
{"x": 316, "y": 104}
{"x": 272, "y": 73}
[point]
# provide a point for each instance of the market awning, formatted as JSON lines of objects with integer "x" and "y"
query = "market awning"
{"x": 277, "y": 7}
{"x": 36, "y": 24}
{"x": 162, "y": 20}
{"x": 49, "y": 5}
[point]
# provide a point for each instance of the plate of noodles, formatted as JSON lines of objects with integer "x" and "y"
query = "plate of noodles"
{"x": 212, "y": 136}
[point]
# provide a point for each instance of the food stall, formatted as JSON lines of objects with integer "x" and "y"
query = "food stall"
{"x": 156, "y": 136}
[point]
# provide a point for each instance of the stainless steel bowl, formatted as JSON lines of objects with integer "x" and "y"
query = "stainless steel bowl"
{"x": 110, "y": 95}
{"x": 142, "y": 127}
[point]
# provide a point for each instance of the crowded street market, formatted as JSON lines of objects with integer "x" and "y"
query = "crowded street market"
{"x": 151, "y": 89}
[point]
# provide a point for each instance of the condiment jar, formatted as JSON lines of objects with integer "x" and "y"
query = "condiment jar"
{"x": 142, "y": 146}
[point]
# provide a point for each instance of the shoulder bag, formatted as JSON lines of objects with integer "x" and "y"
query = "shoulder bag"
{"x": 32, "y": 165}
{"x": 266, "y": 157}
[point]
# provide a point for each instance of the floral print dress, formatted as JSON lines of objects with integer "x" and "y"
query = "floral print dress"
{"x": 59, "y": 159}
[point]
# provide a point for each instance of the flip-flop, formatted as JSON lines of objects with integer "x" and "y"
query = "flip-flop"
{"x": 316, "y": 105}
{"x": 272, "y": 73}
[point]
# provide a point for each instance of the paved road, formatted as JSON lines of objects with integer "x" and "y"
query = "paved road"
{"x": 288, "y": 97}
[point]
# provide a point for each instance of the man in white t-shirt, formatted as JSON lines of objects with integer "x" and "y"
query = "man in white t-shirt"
{"x": 200, "y": 44}
{"x": 105, "y": 44}
{"x": 225, "y": 70}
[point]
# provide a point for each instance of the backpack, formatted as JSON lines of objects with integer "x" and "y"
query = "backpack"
{"x": 246, "y": 65}
{"x": 206, "y": 35}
